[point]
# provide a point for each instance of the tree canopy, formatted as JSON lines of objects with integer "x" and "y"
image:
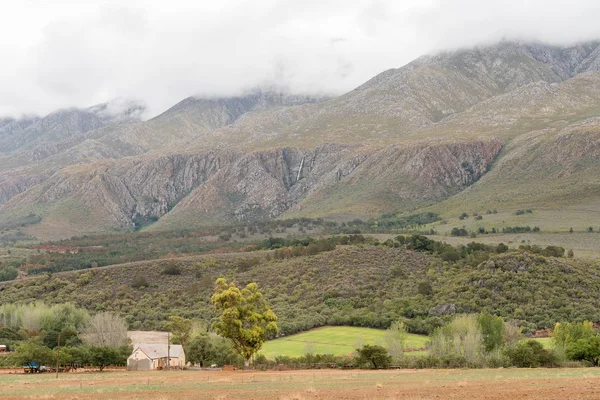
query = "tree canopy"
{"x": 375, "y": 355}
{"x": 245, "y": 318}
{"x": 180, "y": 328}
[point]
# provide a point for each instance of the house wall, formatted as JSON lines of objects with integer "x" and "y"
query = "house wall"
{"x": 139, "y": 361}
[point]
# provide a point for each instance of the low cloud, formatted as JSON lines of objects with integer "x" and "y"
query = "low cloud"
{"x": 73, "y": 53}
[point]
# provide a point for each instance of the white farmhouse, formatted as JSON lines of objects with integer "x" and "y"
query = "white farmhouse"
{"x": 146, "y": 357}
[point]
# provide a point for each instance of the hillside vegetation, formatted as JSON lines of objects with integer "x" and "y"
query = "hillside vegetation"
{"x": 365, "y": 285}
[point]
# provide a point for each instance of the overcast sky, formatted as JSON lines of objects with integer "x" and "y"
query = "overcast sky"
{"x": 65, "y": 53}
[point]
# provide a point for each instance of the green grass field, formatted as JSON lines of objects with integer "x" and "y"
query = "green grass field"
{"x": 342, "y": 340}
{"x": 338, "y": 340}
{"x": 546, "y": 342}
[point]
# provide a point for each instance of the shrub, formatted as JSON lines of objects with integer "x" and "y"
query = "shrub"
{"x": 501, "y": 248}
{"x": 172, "y": 269}
{"x": 8, "y": 273}
{"x": 450, "y": 255}
{"x": 425, "y": 288}
{"x": 374, "y": 355}
{"x": 139, "y": 282}
{"x": 459, "y": 232}
{"x": 530, "y": 353}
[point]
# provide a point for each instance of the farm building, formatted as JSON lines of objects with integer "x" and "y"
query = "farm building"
{"x": 146, "y": 357}
{"x": 3, "y": 348}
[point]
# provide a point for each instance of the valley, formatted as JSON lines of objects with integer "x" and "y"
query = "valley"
{"x": 451, "y": 202}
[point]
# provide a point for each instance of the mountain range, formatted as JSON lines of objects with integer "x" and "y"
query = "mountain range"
{"x": 505, "y": 126}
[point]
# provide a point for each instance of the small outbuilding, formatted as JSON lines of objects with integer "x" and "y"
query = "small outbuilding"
{"x": 147, "y": 357}
{"x": 3, "y": 348}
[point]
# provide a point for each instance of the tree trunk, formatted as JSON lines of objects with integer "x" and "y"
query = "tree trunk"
{"x": 247, "y": 363}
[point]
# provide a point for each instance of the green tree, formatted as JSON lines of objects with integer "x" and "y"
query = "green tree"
{"x": 420, "y": 243}
{"x": 200, "y": 350}
{"x": 566, "y": 333}
{"x": 68, "y": 337}
{"x": 80, "y": 355}
{"x": 102, "y": 356}
{"x": 32, "y": 352}
{"x": 375, "y": 355}
{"x": 67, "y": 315}
{"x": 245, "y": 318}
{"x": 181, "y": 328}
{"x": 492, "y": 328}
{"x": 587, "y": 349}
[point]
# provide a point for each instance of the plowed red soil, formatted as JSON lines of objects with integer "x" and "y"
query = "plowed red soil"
{"x": 582, "y": 383}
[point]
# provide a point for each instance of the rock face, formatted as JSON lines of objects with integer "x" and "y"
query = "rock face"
{"x": 407, "y": 138}
{"x": 233, "y": 186}
{"x": 443, "y": 309}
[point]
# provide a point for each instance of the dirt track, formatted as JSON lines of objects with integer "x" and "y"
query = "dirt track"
{"x": 403, "y": 384}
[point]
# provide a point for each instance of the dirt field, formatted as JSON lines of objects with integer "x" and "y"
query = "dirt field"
{"x": 148, "y": 337}
{"x": 299, "y": 385}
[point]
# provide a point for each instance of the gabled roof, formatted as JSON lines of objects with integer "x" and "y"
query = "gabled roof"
{"x": 154, "y": 351}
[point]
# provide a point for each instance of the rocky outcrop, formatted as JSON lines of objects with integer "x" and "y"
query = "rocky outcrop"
{"x": 443, "y": 309}
{"x": 233, "y": 186}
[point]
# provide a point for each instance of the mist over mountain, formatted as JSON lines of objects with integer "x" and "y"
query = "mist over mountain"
{"x": 509, "y": 125}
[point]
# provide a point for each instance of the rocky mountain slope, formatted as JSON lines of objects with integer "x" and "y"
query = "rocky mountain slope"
{"x": 408, "y": 138}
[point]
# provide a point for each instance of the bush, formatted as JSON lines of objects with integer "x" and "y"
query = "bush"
{"x": 374, "y": 356}
{"x": 530, "y": 353}
{"x": 8, "y": 274}
{"x": 459, "y": 232}
{"x": 172, "y": 269}
{"x": 425, "y": 288}
{"x": 139, "y": 282}
{"x": 450, "y": 255}
{"x": 501, "y": 248}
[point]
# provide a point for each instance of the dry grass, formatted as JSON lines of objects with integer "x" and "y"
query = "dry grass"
{"x": 322, "y": 384}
